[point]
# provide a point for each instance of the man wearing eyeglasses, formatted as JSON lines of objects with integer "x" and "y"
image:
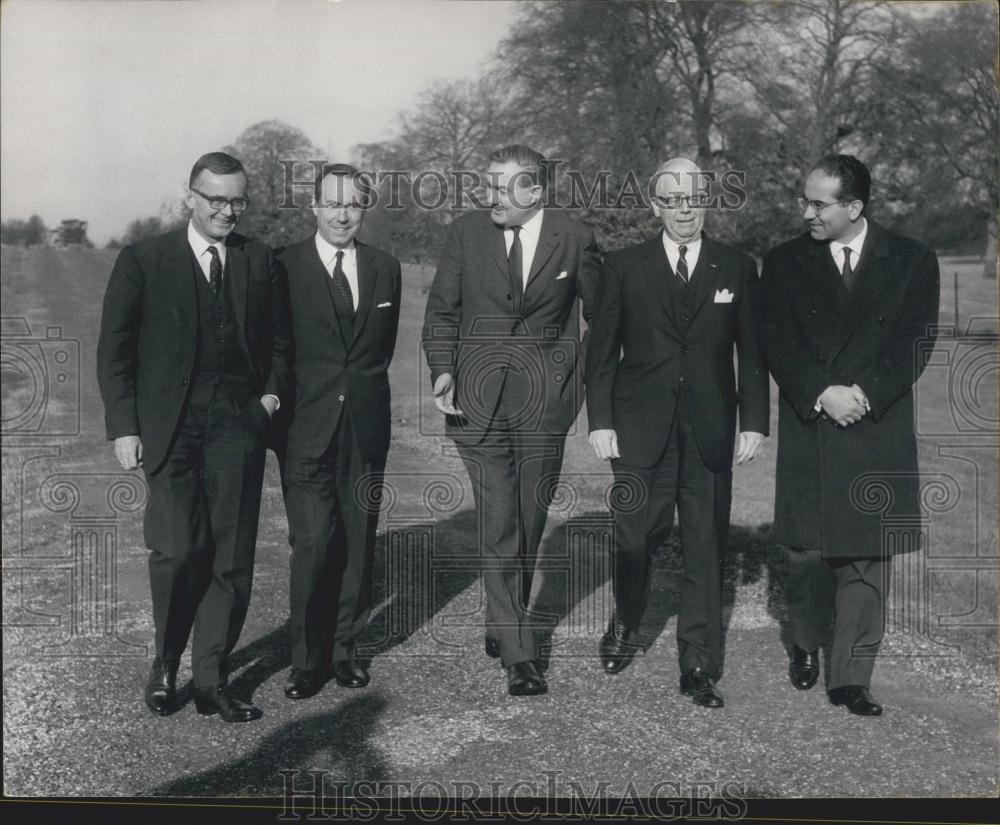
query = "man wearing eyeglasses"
{"x": 848, "y": 314}
{"x": 334, "y": 433}
{"x": 192, "y": 364}
{"x": 662, "y": 400}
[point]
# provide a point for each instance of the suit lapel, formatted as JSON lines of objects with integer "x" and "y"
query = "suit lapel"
{"x": 316, "y": 278}
{"x": 658, "y": 270}
{"x": 704, "y": 275}
{"x": 821, "y": 272}
{"x": 180, "y": 265}
{"x": 238, "y": 271}
{"x": 497, "y": 246}
{"x": 548, "y": 240}
{"x": 872, "y": 276}
{"x": 367, "y": 276}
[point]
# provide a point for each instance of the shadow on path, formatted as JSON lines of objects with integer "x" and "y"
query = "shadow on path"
{"x": 334, "y": 741}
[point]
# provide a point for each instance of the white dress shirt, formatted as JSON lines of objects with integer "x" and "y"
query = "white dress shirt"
{"x": 530, "y": 232}
{"x": 328, "y": 255}
{"x": 673, "y": 250}
{"x": 199, "y": 246}
{"x": 837, "y": 248}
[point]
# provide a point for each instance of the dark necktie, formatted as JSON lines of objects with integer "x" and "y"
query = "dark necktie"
{"x": 215, "y": 270}
{"x": 847, "y": 273}
{"x": 514, "y": 265}
{"x": 682, "y": 264}
{"x": 340, "y": 282}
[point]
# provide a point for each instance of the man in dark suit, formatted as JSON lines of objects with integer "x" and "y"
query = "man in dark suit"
{"x": 191, "y": 364}
{"x": 846, "y": 309}
{"x": 501, "y": 335}
{"x": 662, "y": 404}
{"x": 334, "y": 434}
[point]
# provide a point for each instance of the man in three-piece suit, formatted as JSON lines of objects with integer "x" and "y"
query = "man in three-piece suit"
{"x": 847, "y": 310}
{"x": 192, "y": 362}
{"x": 334, "y": 433}
{"x": 662, "y": 404}
{"x": 501, "y": 335}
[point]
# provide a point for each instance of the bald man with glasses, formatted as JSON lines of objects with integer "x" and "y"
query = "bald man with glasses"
{"x": 192, "y": 363}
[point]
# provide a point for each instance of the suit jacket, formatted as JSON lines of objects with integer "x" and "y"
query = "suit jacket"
{"x": 836, "y": 486}
{"x": 637, "y": 395}
{"x": 518, "y": 361}
{"x": 330, "y": 372}
{"x": 147, "y": 351}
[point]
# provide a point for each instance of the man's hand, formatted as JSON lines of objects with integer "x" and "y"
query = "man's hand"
{"x": 128, "y": 451}
{"x": 749, "y": 446}
{"x": 270, "y": 405}
{"x": 845, "y": 405}
{"x": 444, "y": 395}
{"x": 605, "y": 444}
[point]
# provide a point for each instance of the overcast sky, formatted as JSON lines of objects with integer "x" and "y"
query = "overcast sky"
{"x": 107, "y": 103}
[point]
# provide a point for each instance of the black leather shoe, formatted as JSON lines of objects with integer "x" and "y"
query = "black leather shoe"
{"x": 857, "y": 699}
{"x": 161, "y": 688}
{"x": 617, "y": 647}
{"x": 208, "y": 701}
{"x": 699, "y": 686}
{"x": 302, "y": 684}
{"x": 524, "y": 679}
{"x": 803, "y": 668}
{"x": 350, "y": 673}
{"x": 492, "y": 647}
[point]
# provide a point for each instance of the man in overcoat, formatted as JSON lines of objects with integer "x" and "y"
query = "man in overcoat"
{"x": 848, "y": 314}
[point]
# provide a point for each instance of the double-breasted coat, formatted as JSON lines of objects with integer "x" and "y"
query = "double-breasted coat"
{"x": 843, "y": 490}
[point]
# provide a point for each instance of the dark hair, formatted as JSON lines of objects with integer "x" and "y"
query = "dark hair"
{"x": 346, "y": 170}
{"x": 218, "y": 163}
{"x": 855, "y": 179}
{"x": 532, "y": 162}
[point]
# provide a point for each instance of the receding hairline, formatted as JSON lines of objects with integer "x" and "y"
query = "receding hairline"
{"x": 674, "y": 168}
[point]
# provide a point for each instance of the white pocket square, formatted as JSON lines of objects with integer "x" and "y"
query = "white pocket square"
{"x": 561, "y": 275}
{"x": 384, "y": 305}
{"x": 723, "y": 296}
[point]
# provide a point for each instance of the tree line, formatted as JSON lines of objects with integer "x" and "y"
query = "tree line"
{"x": 612, "y": 89}
{"x": 764, "y": 88}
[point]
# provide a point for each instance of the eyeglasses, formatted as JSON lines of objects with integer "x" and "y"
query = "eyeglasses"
{"x": 817, "y": 206}
{"x": 219, "y": 203}
{"x": 675, "y": 201}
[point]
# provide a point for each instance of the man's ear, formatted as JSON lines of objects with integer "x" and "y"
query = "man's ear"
{"x": 189, "y": 200}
